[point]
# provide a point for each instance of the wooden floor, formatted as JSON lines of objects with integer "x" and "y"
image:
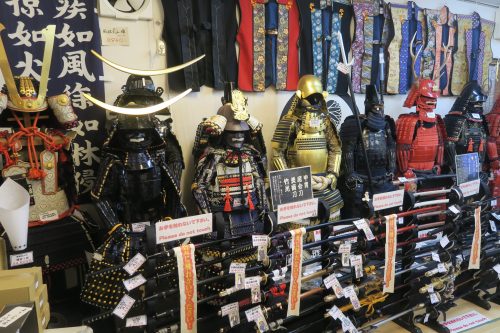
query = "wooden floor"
{"x": 492, "y": 326}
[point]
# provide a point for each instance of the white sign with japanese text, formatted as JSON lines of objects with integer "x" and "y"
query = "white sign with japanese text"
{"x": 185, "y": 227}
{"x": 297, "y": 210}
{"x": 388, "y": 199}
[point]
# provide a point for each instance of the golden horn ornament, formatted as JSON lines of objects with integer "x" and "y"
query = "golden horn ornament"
{"x": 141, "y": 72}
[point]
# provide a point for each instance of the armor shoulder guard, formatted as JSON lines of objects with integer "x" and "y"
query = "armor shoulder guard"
{"x": 405, "y": 128}
{"x": 349, "y": 129}
{"x": 284, "y": 130}
{"x": 453, "y": 124}
{"x": 105, "y": 167}
{"x": 494, "y": 124}
{"x": 391, "y": 125}
{"x": 63, "y": 110}
{"x": 3, "y": 102}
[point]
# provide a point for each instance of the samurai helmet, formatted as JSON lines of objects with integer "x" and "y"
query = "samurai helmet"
{"x": 25, "y": 94}
{"x": 134, "y": 85}
{"x": 423, "y": 95}
{"x": 310, "y": 87}
{"x": 139, "y": 91}
{"x": 373, "y": 103}
{"x": 471, "y": 99}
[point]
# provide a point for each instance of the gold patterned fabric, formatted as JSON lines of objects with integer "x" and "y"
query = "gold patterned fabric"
{"x": 259, "y": 47}
{"x": 398, "y": 16}
{"x": 460, "y": 75}
{"x": 282, "y": 54}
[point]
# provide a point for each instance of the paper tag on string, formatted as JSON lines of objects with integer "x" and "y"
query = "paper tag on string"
{"x": 255, "y": 295}
{"x": 136, "y": 321}
{"x": 124, "y": 306}
{"x": 134, "y": 282}
{"x": 231, "y": 310}
{"x": 435, "y": 257}
{"x": 332, "y": 282}
{"x": 444, "y": 241}
{"x": 363, "y": 225}
{"x": 349, "y": 292}
{"x": 493, "y": 226}
{"x": 357, "y": 264}
{"x": 441, "y": 268}
{"x": 345, "y": 251}
{"x": 434, "y": 298}
{"x": 134, "y": 264}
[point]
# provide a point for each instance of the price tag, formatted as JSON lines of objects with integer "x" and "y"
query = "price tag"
{"x": 434, "y": 298}
{"x": 493, "y": 226}
{"x": 317, "y": 235}
{"x": 347, "y": 325}
{"x": 345, "y": 251}
{"x": 349, "y": 292}
{"x": 401, "y": 220}
{"x": 426, "y": 318}
{"x": 124, "y": 306}
{"x": 252, "y": 281}
{"x": 475, "y": 116}
{"x": 431, "y": 115}
{"x": 140, "y": 226}
{"x": 493, "y": 202}
{"x": 430, "y": 289}
{"x": 134, "y": 264}
{"x": 444, "y": 241}
{"x": 13, "y": 315}
{"x": 21, "y": 259}
{"x": 231, "y": 310}
{"x": 49, "y": 216}
{"x": 134, "y": 282}
{"x": 357, "y": 263}
{"x": 261, "y": 252}
{"x": 255, "y": 295}
{"x": 141, "y": 320}
{"x": 258, "y": 240}
{"x": 279, "y": 274}
{"x": 332, "y": 282}
{"x": 435, "y": 257}
{"x": 255, "y": 314}
{"x": 454, "y": 209}
{"x": 441, "y": 268}
{"x": 362, "y": 224}
{"x": 335, "y": 312}
{"x": 402, "y": 179}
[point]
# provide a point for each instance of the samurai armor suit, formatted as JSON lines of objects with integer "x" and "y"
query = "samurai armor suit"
{"x": 268, "y": 45}
{"x": 467, "y": 129}
{"x": 379, "y": 137}
{"x": 407, "y": 21}
{"x": 320, "y": 48}
{"x": 371, "y": 35}
{"x": 420, "y": 135}
{"x": 216, "y": 28}
{"x": 306, "y": 136}
{"x": 493, "y": 120}
{"x": 440, "y": 47}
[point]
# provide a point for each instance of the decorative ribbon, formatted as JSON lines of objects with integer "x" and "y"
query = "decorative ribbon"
{"x": 391, "y": 232}
{"x": 296, "y": 273}
{"x": 475, "y": 252}
{"x": 186, "y": 268}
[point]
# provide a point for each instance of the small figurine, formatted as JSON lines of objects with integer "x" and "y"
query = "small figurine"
{"x": 379, "y": 137}
{"x": 306, "y": 136}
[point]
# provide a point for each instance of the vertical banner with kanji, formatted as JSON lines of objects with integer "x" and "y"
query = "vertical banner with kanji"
{"x": 73, "y": 70}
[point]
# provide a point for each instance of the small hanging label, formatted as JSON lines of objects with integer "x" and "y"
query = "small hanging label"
{"x": 258, "y": 240}
{"x": 13, "y": 315}
{"x": 493, "y": 202}
{"x": 255, "y": 314}
{"x": 49, "y": 216}
{"x": 435, "y": 257}
{"x": 345, "y": 251}
{"x": 430, "y": 289}
{"x": 335, "y": 312}
{"x": 332, "y": 282}
{"x": 231, "y": 310}
{"x": 238, "y": 269}
{"x": 434, "y": 298}
{"x": 357, "y": 264}
{"x": 261, "y": 252}
{"x": 349, "y": 292}
{"x": 140, "y": 226}
{"x": 141, "y": 320}
{"x": 426, "y": 318}
{"x": 475, "y": 251}
{"x": 255, "y": 295}
{"x": 475, "y": 116}
{"x": 444, "y": 241}
{"x": 252, "y": 281}
{"x": 21, "y": 259}
{"x": 363, "y": 225}
{"x": 454, "y": 209}
{"x": 279, "y": 274}
{"x": 441, "y": 268}
{"x": 401, "y": 220}
{"x": 124, "y": 306}
{"x": 135, "y": 263}
{"x": 388, "y": 199}
{"x": 134, "y": 282}
{"x": 317, "y": 235}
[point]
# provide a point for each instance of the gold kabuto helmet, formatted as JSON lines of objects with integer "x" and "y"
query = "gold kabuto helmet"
{"x": 25, "y": 94}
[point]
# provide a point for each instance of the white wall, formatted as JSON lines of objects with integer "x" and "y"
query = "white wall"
{"x": 265, "y": 106}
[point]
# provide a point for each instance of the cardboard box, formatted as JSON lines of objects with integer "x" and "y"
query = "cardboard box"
{"x": 41, "y": 298}
{"x": 18, "y": 288}
{"x": 25, "y": 323}
{"x": 36, "y": 271}
{"x": 44, "y": 317}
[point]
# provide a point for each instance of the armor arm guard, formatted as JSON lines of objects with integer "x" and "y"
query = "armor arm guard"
{"x": 105, "y": 193}
{"x": 204, "y": 175}
{"x": 260, "y": 185}
{"x": 493, "y": 120}
{"x": 453, "y": 125}
{"x": 405, "y": 130}
{"x": 390, "y": 133}
{"x": 349, "y": 134}
{"x": 281, "y": 138}
{"x": 334, "y": 149}
{"x": 63, "y": 110}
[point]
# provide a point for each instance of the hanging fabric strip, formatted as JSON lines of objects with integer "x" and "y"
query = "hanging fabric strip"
{"x": 361, "y": 11}
{"x": 366, "y": 73}
{"x": 459, "y": 75}
{"x": 488, "y": 28}
{"x": 282, "y": 53}
{"x": 334, "y": 55}
{"x": 429, "y": 53}
{"x": 296, "y": 273}
{"x": 398, "y": 17}
{"x": 317, "y": 38}
{"x": 475, "y": 252}
{"x": 391, "y": 232}
{"x": 186, "y": 268}
{"x": 259, "y": 53}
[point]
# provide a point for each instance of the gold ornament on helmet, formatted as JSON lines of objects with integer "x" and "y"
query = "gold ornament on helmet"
{"x": 239, "y": 105}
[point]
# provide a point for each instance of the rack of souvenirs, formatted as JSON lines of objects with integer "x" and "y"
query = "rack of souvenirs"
{"x": 379, "y": 221}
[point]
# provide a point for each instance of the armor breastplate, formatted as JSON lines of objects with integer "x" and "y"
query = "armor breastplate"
{"x": 310, "y": 146}
{"x": 376, "y": 149}
{"x": 472, "y": 139}
{"x": 228, "y": 178}
{"x": 424, "y": 148}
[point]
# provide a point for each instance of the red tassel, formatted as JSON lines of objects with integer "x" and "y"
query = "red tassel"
{"x": 63, "y": 158}
{"x": 470, "y": 146}
{"x": 481, "y": 146}
{"x": 249, "y": 200}
{"x": 227, "y": 199}
{"x": 36, "y": 174}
